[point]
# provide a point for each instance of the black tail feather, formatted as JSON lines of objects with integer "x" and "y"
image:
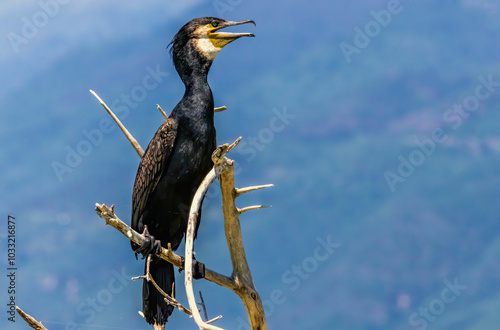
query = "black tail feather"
{"x": 154, "y": 307}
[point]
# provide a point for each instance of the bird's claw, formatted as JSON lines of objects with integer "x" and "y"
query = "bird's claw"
{"x": 151, "y": 246}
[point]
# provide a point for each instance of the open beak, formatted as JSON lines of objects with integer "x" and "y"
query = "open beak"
{"x": 230, "y": 35}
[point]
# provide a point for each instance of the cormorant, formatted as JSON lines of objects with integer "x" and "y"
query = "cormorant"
{"x": 178, "y": 157}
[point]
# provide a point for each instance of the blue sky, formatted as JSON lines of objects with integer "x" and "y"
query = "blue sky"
{"x": 342, "y": 246}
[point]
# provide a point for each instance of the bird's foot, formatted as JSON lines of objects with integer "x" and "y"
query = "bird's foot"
{"x": 198, "y": 268}
{"x": 151, "y": 246}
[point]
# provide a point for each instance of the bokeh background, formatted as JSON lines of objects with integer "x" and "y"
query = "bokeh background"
{"x": 377, "y": 121}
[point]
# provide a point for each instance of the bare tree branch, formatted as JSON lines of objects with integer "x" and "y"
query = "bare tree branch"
{"x": 162, "y": 112}
{"x": 169, "y": 299}
{"x": 129, "y": 136}
{"x": 240, "y": 191}
{"x": 214, "y": 319}
{"x": 241, "y": 271}
{"x": 108, "y": 214}
{"x": 220, "y": 109}
{"x": 223, "y": 168}
{"x": 241, "y": 279}
{"x": 217, "y": 109}
{"x": 253, "y": 207}
{"x": 202, "y": 304}
{"x": 30, "y": 320}
{"x": 188, "y": 276}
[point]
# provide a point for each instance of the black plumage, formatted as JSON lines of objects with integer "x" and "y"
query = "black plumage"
{"x": 179, "y": 156}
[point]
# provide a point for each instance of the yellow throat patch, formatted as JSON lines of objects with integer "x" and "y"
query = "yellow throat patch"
{"x": 209, "y": 43}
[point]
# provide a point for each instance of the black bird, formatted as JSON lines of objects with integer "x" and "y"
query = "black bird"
{"x": 178, "y": 157}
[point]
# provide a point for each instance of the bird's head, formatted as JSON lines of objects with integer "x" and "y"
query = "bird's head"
{"x": 204, "y": 35}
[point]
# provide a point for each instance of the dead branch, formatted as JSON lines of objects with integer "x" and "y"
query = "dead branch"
{"x": 241, "y": 280}
{"x": 108, "y": 214}
{"x": 214, "y": 319}
{"x": 217, "y": 109}
{"x": 241, "y": 271}
{"x": 202, "y": 304}
{"x": 30, "y": 320}
{"x": 168, "y": 299}
{"x": 188, "y": 276}
{"x": 129, "y": 136}
{"x": 193, "y": 216}
{"x": 240, "y": 191}
{"x": 220, "y": 109}
{"x": 253, "y": 207}
{"x": 162, "y": 112}
{"x": 223, "y": 168}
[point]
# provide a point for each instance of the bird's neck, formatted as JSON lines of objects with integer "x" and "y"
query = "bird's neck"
{"x": 193, "y": 70}
{"x": 196, "y": 82}
{"x": 197, "y": 102}
{"x": 191, "y": 66}
{"x": 198, "y": 92}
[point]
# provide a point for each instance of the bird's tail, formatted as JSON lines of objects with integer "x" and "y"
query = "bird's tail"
{"x": 155, "y": 309}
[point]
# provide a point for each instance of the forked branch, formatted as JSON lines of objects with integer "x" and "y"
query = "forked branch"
{"x": 107, "y": 213}
{"x": 241, "y": 280}
{"x": 168, "y": 299}
{"x": 244, "y": 287}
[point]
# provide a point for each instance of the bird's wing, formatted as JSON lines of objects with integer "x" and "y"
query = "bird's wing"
{"x": 151, "y": 167}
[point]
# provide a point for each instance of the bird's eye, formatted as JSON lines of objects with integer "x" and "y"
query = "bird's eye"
{"x": 215, "y": 24}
